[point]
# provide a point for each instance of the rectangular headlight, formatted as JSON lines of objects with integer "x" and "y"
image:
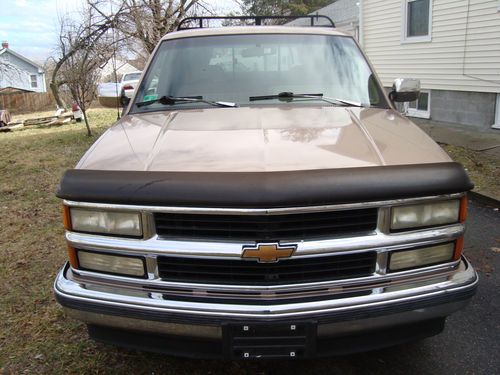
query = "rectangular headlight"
{"x": 114, "y": 264}
{"x": 106, "y": 222}
{"x": 406, "y": 259}
{"x": 425, "y": 215}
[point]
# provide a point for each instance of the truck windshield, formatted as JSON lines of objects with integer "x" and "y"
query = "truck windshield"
{"x": 233, "y": 68}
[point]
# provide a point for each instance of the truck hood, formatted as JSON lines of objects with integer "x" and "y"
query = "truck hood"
{"x": 253, "y": 139}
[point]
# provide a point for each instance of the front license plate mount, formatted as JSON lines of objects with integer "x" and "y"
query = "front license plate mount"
{"x": 270, "y": 340}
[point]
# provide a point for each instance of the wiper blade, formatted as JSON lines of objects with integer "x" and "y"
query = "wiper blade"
{"x": 289, "y": 96}
{"x": 171, "y": 100}
{"x": 285, "y": 96}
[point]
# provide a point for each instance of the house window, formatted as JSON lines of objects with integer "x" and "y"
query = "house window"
{"x": 417, "y": 23}
{"x": 420, "y": 107}
{"x": 34, "y": 81}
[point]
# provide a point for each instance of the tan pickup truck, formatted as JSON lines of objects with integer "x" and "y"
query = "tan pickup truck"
{"x": 262, "y": 198}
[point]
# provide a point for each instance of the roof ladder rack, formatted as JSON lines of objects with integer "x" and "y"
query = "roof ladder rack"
{"x": 187, "y": 23}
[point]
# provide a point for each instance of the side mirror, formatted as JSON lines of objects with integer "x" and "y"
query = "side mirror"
{"x": 124, "y": 100}
{"x": 405, "y": 90}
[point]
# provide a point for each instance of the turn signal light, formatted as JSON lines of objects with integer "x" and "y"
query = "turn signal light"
{"x": 463, "y": 209}
{"x": 66, "y": 217}
{"x": 459, "y": 245}
{"x": 73, "y": 259}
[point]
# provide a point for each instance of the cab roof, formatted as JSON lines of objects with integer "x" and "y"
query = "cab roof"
{"x": 241, "y": 30}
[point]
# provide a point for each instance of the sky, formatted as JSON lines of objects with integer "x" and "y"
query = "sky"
{"x": 31, "y": 26}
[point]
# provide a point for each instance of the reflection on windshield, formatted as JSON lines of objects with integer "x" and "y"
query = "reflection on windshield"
{"x": 132, "y": 77}
{"x": 235, "y": 67}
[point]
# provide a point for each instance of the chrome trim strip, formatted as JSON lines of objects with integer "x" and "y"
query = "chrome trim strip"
{"x": 379, "y": 242}
{"x": 258, "y": 211}
{"x": 464, "y": 278}
{"x": 158, "y": 284}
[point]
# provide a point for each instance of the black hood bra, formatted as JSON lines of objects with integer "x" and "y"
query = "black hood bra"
{"x": 263, "y": 189}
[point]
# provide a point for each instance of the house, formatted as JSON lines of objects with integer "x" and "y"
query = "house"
{"x": 452, "y": 46}
{"x": 18, "y": 72}
{"x": 344, "y": 13}
{"x": 122, "y": 67}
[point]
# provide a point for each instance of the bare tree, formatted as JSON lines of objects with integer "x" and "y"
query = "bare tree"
{"x": 144, "y": 22}
{"x": 138, "y": 23}
{"x": 81, "y": 75}
{"x": 75, "y": 36}
{"x": 83, "y": 49}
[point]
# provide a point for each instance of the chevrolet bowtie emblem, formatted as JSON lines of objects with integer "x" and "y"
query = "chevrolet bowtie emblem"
{"x": 268, "y": 253}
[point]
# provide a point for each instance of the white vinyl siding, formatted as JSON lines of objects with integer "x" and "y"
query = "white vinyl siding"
{"x": 462, "y": 56}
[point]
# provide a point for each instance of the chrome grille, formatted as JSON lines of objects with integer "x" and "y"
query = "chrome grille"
{"x": 250, "y": 272}
{"x": 296, "y": 227}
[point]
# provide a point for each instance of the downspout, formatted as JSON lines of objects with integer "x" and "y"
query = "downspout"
{"x": 496, "y": 125}
{"x": 361, "y": 28}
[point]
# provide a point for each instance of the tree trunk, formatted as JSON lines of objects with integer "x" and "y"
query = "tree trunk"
{"x": 54, "y": 88}
{"x": 89, "y": 132}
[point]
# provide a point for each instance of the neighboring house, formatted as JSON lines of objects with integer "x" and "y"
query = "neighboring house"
{"x": 452, "y": 46}
{"x": 345, "y": 14}
{"x": 122, "y": 67}
{"x": 20, "y": 73}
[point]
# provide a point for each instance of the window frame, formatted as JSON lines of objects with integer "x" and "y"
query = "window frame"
{"x": 35, "y": 81}
{"x": 415, "y": 112}
{"x": 404, "y": 25}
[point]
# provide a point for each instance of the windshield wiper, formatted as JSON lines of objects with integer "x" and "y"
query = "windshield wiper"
{"x": 171, "y": 100}
{"x": 289, "y": 96}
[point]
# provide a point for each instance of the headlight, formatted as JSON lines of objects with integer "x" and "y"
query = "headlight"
{"x": 406, "y": 259}
{"x": 114, "y": 264}
{"x": 425, "y": 215}
{"x": 105, "y": 222}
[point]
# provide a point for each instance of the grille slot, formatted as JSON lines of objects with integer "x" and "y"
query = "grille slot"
{"x": 295, "y": 227}
{"x": 249, "y": 272}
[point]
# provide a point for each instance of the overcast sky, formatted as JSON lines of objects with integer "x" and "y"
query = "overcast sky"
{"x": 30, "y": 26}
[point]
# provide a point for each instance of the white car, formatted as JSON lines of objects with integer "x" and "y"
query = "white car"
{"x": 109, "y": 94}
{"x": 129, "y": 83}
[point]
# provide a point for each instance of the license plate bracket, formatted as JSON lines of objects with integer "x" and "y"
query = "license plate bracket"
{"x": 270, "y": 340}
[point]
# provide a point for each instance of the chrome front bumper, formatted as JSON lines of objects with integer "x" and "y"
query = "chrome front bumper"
{"x": 389, "y": 303}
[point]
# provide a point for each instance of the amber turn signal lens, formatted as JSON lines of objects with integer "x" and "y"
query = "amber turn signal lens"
{"x": 66, "y": 217}
{"x": 459, "y": 245}
{"x": 73, "y": 260}
{"x": 463, "y": 209}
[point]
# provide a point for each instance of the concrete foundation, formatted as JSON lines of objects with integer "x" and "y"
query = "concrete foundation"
{"x": 466, "y": 108}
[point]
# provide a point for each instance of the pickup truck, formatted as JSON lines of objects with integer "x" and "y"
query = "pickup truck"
{"x": 262, "y": 198}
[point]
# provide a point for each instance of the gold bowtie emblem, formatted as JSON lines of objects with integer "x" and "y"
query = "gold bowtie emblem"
{"x": 268, "y": 253}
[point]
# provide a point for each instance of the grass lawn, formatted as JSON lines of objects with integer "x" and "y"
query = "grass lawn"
{"x": 483, "y": 168}
{"x": 35, "y": 335}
